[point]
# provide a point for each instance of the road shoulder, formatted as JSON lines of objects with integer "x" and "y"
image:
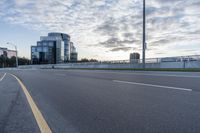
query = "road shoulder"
{"x": 15, "y": 113}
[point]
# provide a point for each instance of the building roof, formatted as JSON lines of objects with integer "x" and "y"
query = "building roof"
{"x": 57, "y": 34}
{"x": 1, "y": 48}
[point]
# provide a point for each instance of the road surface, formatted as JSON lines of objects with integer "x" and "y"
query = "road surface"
{"x": 85, "y": 101}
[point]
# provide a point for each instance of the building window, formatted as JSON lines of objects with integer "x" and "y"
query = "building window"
{"x": 51, "y": 44}
{"x": 39, "y": 49}
{"x": 34, "y": 49}
{"x": 45, "y": 49}
{"x": 39, "y": 44}
{"x": 44, "y": 43}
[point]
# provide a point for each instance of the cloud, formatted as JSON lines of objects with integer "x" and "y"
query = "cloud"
{"x": 125, "y": 49}
{"x": 114, "y": 25}
{"x": 116, "y": 42}
{"x": 21, "y": 2}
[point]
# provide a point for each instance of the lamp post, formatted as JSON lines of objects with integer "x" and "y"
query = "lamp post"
{"x": 16, "y": 53}
{"x": 144, "y": 34}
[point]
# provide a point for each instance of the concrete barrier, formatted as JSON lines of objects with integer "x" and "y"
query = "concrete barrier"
{"x": 193, "y": 64}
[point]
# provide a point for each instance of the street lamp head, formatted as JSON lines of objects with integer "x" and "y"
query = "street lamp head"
{"x": 10, "y": 43}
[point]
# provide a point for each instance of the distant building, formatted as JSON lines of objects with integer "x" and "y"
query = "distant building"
{"x": 134, "y": 58}
{"x": 7, "y": 53}
{"x": 52, "y": 49}
{"x": 73, "y": 54}
{"x": 73, "y": 57}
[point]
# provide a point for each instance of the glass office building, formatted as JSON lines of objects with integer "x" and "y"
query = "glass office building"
{"x": 52, "y": 49}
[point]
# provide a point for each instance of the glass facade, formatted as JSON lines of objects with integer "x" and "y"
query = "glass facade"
{"x": 43, "y": 53}
{"x": 52, "y": 49}
{"x": 66, "y": 39}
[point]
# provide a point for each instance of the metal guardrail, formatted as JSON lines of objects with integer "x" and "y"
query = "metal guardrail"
{"x": 163, "y": 59}
{"x": 189, "y": 58}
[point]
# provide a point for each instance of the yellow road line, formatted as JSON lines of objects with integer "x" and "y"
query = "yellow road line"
{"x": 43, "y": 126}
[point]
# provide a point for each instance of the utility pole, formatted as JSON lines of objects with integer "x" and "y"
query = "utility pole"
{"x": 144, "y": 34}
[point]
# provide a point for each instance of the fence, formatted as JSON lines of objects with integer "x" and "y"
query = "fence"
{"x": 189, "y": 58}
{"x": 166, "y": 62}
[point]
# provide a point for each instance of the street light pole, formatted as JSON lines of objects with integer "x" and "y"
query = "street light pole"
{"x": 16, "y": 56}
{"x": 16, "y": 53}
{"x": 144, "y": 33}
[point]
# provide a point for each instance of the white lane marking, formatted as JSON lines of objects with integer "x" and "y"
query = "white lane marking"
{"x": 151, "y": 85}
{"x": 3, "y": 77}
{"x": 145, "y": 74}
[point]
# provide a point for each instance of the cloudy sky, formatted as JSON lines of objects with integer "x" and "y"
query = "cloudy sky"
{"x": 104, "y": 29}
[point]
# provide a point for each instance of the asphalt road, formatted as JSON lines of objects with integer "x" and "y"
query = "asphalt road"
{"x": 81, "y": 101}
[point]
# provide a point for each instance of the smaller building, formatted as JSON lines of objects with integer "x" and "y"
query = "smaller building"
{"x": 134, "y": 58}
{"x": 74, "y": 57}
{"x": 73, "y": 54}
{"x": 7, "y": 53}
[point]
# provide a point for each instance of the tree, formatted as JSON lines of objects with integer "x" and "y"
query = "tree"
{"x": 11, "y": 62}
{"x": 1, "y": 61}
{"x": 84, "y": 60}
{"x": 88, "y": 60}
{"x": 93, "y": 60}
